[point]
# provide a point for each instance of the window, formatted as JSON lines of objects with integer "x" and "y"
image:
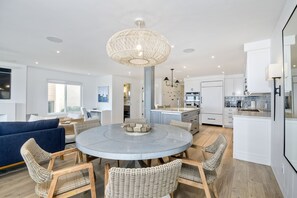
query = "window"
{"x": 63, "y": 98}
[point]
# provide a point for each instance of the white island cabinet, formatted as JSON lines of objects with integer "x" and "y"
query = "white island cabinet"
{"x": 252, "y": 137}
{"x": 165, "y": 115}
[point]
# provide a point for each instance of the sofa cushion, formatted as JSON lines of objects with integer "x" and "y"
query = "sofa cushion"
{"x": 7, "y": 128}
{"x": 36, "y": 118}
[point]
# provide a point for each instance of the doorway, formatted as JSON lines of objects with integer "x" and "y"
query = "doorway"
{"x": 127, "y": 98}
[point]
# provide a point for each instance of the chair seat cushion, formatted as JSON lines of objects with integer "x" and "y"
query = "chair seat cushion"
{"x": 192, "y": 173}
{"x": 65, "y": 183}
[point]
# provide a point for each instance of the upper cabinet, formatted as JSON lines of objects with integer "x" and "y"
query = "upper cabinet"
{"x": 234, "y": 85}
{"x": 258, "y": 58}
{"x": 192, "y": 85}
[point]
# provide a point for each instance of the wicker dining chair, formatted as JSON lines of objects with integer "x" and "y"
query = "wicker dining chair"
{"x": 81, "y": 127}
{"x": 203, "y": 174}
{"x": 184, "y": 125}
{"x": 87, "y": 124}
{"x": 64, "y": 182}
{"x": 152, "y": 182}
{"x": 212, "y": 148}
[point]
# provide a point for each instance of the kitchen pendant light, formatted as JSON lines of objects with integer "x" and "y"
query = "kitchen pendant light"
{"x": 138, "y": 46}
{"x": 171, "y": 83}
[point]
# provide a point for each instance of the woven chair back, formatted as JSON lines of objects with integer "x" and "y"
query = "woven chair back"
{"x": 83, "y": 126}
{"x": 33, "y": 155}
{"x": 184, "y": 125}
{"x": 215, "y": 160}
{"x": 150, "y": 182}
{"x": 214, "y": 146}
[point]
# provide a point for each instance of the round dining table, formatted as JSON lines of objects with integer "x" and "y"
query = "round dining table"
{"x": 113, "y": 142}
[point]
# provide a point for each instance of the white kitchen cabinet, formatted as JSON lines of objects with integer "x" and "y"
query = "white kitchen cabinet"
{"x": 234, "y": 86}
{"x": 252, "y": 139}
{"x": 258, "y": 58}
{"x": 192, "y": 85}
{"x": 228, "y": 116}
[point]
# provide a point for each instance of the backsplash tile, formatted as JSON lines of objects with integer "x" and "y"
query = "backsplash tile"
{"x": 263, "y": 102}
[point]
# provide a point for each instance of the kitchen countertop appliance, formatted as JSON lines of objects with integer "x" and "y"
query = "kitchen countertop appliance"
{"x": 192, "y": 99}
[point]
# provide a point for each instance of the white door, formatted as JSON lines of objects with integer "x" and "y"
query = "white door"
{"x": 212, "y": 100}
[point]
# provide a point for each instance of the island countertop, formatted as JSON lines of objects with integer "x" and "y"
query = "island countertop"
{"x": 176, "y": 110}
{"x": 261, "y": 114}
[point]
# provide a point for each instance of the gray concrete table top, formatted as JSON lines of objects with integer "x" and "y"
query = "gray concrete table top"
{"x": 112, "y": 142}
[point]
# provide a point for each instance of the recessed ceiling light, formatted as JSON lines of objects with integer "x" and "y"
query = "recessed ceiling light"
{"x": 189, "y": 50}
{"x": 36, "y": 62}
{"x": 54, "y": 39}
{"x": 172, "y": 46}
{"x": 58, "y": 52}
{"x": 129, "y": 73}
{"x": 219, "y": 66}
{"x": 188, "y": 76}
{"x": 223, "y": 72}
{"x": 185, "y": 67}
{"x": 294, "y": 65}
{"x": 212, "y": 57}
{"x": 7, "y": 86}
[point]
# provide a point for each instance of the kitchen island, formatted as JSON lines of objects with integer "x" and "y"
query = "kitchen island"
{"x": 165, "y": 115}
{"x": 252, "y": 136}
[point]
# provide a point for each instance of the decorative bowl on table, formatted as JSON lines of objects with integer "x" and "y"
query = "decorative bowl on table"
{"x": 136, "y": 128}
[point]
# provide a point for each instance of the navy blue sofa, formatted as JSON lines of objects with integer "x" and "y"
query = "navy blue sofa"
{"x": 13, "y": 135}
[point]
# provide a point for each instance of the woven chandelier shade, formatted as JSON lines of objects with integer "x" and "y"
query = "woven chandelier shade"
{"x": 138, "y": 47}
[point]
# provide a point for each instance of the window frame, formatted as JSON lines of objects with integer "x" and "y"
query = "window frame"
{"x": 65, "y": 83}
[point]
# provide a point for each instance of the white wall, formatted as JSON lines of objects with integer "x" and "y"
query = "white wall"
{"x": 171, "y": 95}
{"x": 118, "y": 98}
{"x": 104, "y": 81}
{"x": 37, "y": 88}
{"x": 17, "y": 103}
{"x": 288, "y": 180}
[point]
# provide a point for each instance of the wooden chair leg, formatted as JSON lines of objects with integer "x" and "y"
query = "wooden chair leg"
{"x": 171, "y": 195}
{"x": 187, "y": 154}
{"x": 149, "y": 163}
{"x": 106, "y": 172}
{"x": 118, "y": 162}
{"x": 161, "y": 161}
{"x": 92, "y": 182}
{"x": 99, "y": 161}
{"x": 204, "y": 182}
{"x": 80, "y": 155}
{"x": 215, "y": 190}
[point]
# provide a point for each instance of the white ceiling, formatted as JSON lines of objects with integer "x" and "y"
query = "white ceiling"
{"x": 211, "y": 27}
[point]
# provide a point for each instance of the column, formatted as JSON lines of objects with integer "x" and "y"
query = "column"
{"x": 149, "y": 90}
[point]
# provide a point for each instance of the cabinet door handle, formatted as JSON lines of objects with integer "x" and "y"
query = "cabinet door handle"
{"x": 211, "y": 118}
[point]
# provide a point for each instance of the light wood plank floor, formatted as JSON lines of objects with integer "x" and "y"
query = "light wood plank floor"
{"x": 237, "y": 179}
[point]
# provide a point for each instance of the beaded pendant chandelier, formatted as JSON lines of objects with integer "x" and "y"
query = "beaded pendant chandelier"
{"x": 138, "y": 46}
